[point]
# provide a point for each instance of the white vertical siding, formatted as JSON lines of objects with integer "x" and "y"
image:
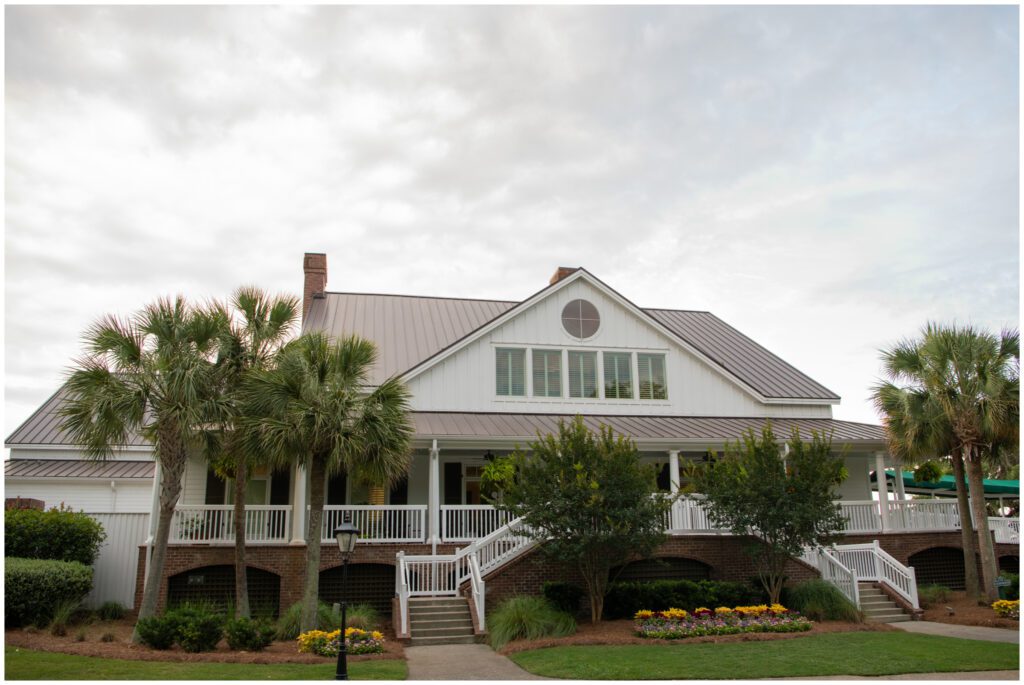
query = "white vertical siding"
{"x": 117, "y": 564}
{"x": 465, "y": 381}
{"x": 194, "y": 482}
{"x": 85, "y": 495}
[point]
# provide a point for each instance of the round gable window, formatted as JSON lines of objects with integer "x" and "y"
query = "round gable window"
{"x": 580, "y": 319}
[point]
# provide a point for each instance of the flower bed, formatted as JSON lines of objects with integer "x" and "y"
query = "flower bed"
{"x": 677, "y": 624}
{"x": 356, "y": 642}
{"x": 1005, "y": 608}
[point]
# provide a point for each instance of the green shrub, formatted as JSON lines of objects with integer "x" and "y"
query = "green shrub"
{"x": 158, "y": 632}
{"x": 563, "y": 596}
{"x": 362, "y": 616}
{"x": 625, "y": 598}
{"x": 33, "y": 588}
{"x": 62, "y": 616}
{"x": 527, "y": 618}
{"x": 249, "y": 635}
{"x": 1013, "y": 591}
{"x": 819, "y": 600}
{"x": 199, "y": 627}
{"x": 327, "y": 619}
{"x": 59, "y": 534}
{"x": 930, "y": 595}
{"x": 112, "y": 611}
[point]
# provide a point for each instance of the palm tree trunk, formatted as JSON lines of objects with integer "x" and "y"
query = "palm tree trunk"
{"x": 967, "y": 536}
{"x": 172, "y": 465}
{"x": 985, "y": 547}
{"x": 241, "y": 587}
{"x": 311, "y": 593}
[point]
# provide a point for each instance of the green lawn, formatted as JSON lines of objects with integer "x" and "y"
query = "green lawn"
{"x": 866, "y": 653}
{"x": 25, "y": 664}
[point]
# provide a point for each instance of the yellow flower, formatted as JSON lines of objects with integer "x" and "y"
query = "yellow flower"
{"x": 778, "y": 608}
{"x": 723, "y": 610}
{"x": 701, "y": 609}
{"x": 673, "y": 613}
{"x": 377, "y": 635}
{"x": 644, "y": 613}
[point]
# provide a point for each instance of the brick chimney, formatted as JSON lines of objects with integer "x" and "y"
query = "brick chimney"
{"x": 562, "y": 272}
{"x": 314, "y": 271}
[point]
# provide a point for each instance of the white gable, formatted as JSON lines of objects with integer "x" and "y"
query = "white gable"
{"x": 465, "y": 380}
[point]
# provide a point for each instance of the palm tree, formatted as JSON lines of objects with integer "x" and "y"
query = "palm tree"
{"x": 316, "y": 407}
{"x": 973, "y": 378}
{"x": 254, "y": 330}
{"x": 917, "y": 430}
{"x": 151, "y": 374}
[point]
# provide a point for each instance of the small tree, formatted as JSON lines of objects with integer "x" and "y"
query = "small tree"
{"x": 785, "y": 501}
{"x": 589, "y": 500}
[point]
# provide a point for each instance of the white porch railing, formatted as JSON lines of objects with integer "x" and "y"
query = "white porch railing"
{"x": 468, "y": 522}
{"x": 833, "y": 571}
{"x": 688, "y": 514}
{"x": 871, "y": 562}
{"x": 1006, "y": 529}
{"x": 391, "y": 523}
{"x": 214, "y": 524}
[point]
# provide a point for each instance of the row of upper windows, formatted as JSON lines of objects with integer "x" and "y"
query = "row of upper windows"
{"x": 582, "y": 370}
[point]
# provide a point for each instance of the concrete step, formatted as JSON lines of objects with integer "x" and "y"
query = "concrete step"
{"x": 871, "y": 592}
{"x": 439, "y": 615}
{"x": 435, "y": 601}
{"x": 879, "y": 601}
{"x": 887, "y": 618}
{"x": 450, "y": 631}
{"x": 427, "y": 641}
{"x": 441, "y": 623}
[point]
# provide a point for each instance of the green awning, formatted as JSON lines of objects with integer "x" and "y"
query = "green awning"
{"x": 1009, "y": 488}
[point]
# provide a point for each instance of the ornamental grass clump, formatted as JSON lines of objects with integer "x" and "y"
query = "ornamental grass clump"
{"x": 527, "y": 618}
{"x": 1007, "y": 608}
{"x": 819, "y": 600}
{"x": 674, "y": 624}
{"x": 357, "y": 641}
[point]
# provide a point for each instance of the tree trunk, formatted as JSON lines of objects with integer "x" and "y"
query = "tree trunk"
{"x": 172, "y": 466}
{"x": 241, "y": 581}
{"x": 989, "y": 570}
{"x": 311, "y": 593}
{"x": 969, "y": 540}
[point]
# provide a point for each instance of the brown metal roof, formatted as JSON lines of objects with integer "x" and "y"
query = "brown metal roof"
{"x": 654, "y": 428}
{"x": 78, "y": 468}
{"x": 408, "y": 330}
{"x": 43, "y": 427}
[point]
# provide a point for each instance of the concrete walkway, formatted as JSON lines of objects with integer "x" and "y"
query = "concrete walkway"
{"x": 963, "y": 632}
{"x": 462, "y": 662}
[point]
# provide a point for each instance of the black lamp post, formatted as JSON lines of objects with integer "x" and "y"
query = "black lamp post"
{"x": 346, "y": 534}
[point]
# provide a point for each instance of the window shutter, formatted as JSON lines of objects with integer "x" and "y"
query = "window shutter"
{"x": 582, "y": 374}
{"x": 215, "y": 488}
{"x": 453, "y": 482}
{"x": 547, "y": 373}
{"x": 618, "y": 381}
{"x": 280, "y": 486}
{"x": 510, "y": 372}
{"x": 400, "y": 492}
{"x": 651, "y": 369}
{"x": 336, "y": 489}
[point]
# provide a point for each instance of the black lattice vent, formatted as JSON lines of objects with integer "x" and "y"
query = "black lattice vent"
{"x": 940, "y": 566}
{"x": 1010, "y": 563}
{"x": 216, "y": 585}
{"x": 667, "y": 568}
{"x": 372, "y": 584}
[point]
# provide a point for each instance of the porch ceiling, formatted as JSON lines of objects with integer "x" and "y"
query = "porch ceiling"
{"x": 646, "y": 430}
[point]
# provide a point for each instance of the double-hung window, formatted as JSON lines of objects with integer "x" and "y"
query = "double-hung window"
{"x": 510, "y": 372}
{"x": 651, "y": 372}
{"x": 582, "y": 374}
{"x": 547, "y": 373}
{"x": 618, "y": 375}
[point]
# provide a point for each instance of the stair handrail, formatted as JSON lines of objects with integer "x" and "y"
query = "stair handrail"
{"x": 476, "y": 584}
{"x": 902, "y": 579}
{"x": 402, "y": 590}
{"x": 836, "y": 573}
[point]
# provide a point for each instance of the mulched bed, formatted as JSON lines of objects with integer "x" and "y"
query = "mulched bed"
{"x": 968, "y": 613}
{"x": 122, "y": 648}
{"x": 621, "y": 633}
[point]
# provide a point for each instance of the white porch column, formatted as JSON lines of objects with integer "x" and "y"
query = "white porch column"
{"x": 673, "y": 471}
{"x": 434, "y": 495}
{"x": 883, "y": 489}
{"x": 298, "y": 505}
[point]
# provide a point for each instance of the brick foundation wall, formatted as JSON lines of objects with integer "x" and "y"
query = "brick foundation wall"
{"x": 724, "y": 555}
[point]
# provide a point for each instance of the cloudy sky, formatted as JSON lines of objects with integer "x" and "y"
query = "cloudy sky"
{"x": 824, "y": 179}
